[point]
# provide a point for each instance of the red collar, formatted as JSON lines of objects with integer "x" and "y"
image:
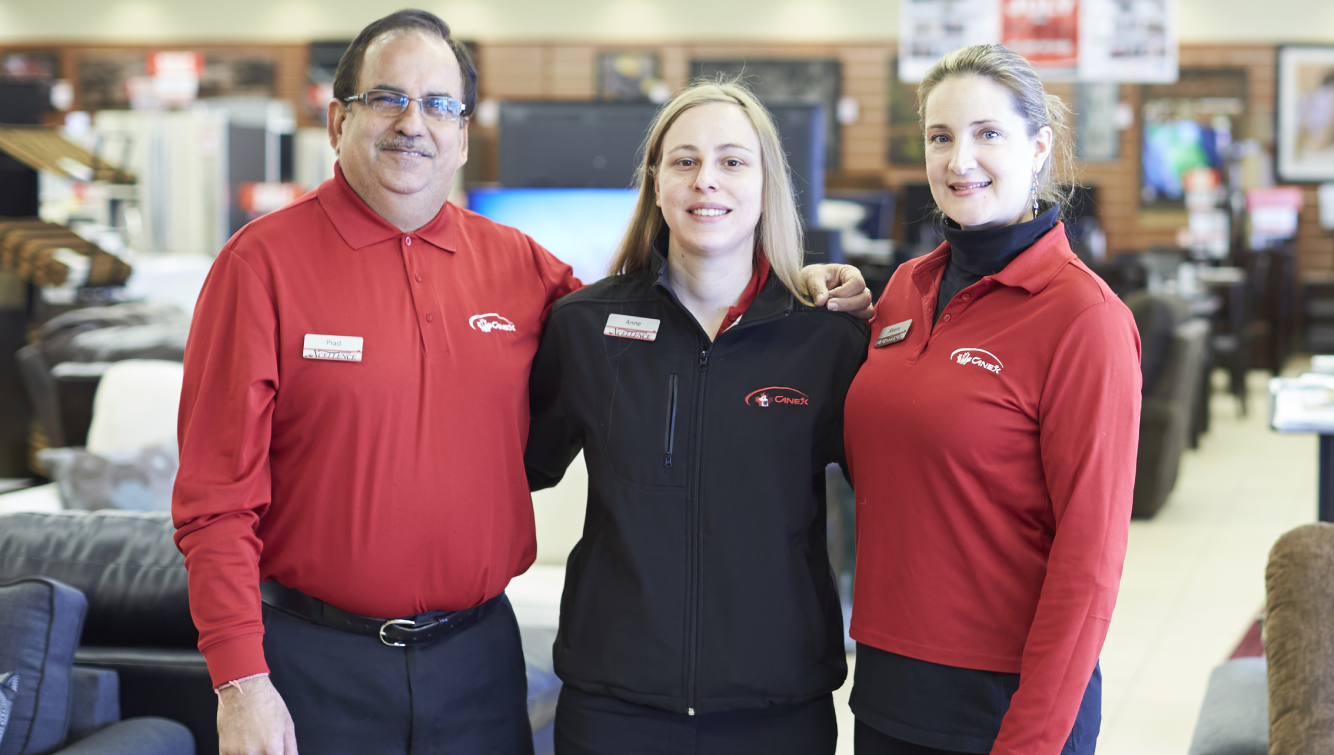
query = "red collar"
{"x": 758, "y": 276}
{"x": 1032, "y": 270}
{"x": 360, "y": 226}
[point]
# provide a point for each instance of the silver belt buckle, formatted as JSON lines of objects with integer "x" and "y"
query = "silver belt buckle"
{"x": 385, "y": 626}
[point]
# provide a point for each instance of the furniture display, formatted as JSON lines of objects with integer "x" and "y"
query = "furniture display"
{"x": 1299, "y": 609}
{"x": 56, "y": 706}
{"x": 1173, "y": 366}
{"x": 1303, "y": 405}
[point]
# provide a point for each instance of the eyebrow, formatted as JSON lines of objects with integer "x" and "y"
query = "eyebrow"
{"x": 401, "y": 90}
{"x": 729, "y": 145}
{"x": 983, "y": 122}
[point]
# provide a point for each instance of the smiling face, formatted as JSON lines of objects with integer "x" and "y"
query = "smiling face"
{"x": 710, "y": 181}
{"x": 404, "y": 166}
{"x": 980, "y": 158}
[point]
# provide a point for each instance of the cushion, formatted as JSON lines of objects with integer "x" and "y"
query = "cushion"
{"x": 1234, "y": 719}
{"x": 136, "y": 405}
{"x": 94, "y": 700}
{"x": 137, "y": 479}
{"x": 1299, "y": 611}
{"x": 137, "y": 736}
{"x": 40, "y": 623}
{"x": 9, "y": 689}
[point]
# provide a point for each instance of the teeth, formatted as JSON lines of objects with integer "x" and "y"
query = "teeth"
{"x": 708, "y": 213}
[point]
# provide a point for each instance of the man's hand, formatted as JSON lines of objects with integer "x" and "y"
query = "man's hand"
{"x": 849, "y": 295}
{"x": 253, "y": 720}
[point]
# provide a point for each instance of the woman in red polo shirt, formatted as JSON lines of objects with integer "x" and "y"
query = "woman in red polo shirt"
{"x": 991, "y": 436}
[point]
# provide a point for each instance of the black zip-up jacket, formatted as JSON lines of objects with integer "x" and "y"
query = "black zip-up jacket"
{"x": 702, "y": 580}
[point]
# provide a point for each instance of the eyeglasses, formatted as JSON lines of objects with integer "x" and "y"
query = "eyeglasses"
{"x": 393, "y": 104}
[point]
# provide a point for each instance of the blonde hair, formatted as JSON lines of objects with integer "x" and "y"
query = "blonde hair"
{"x": 778, "y": 233}
{"x": 1008, "y": 68}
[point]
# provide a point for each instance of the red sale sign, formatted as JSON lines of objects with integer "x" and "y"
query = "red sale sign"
{"x": 1046, "y": 32}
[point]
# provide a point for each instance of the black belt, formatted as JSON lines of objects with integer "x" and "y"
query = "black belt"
{"x": 414, "y": 630}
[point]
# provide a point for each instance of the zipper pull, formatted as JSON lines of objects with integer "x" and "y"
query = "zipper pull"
{"x": 667, "y": 460}
{"x": 704, "y": 360}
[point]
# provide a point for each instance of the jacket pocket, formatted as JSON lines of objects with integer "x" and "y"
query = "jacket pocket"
{"x": 669, "y": 430}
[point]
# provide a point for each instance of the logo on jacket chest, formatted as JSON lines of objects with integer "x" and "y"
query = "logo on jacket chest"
{"x": 979, "y": 357}
{"x": 491, "y": 323}
{"x": 777, "y": 396}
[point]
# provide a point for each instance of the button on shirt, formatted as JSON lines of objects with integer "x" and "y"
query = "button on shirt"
{"x": 389, "y": 486}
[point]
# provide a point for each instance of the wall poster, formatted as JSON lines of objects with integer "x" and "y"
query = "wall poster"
{"x": 1306, "y": 113}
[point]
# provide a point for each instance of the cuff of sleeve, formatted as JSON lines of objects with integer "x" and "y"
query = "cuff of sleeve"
{"x": 236, "y": 658}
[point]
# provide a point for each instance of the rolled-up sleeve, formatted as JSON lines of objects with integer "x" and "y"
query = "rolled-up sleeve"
{"x": 1089, "y": 433}
{"x": 223, "y": 485}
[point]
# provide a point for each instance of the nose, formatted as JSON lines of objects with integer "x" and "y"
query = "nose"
{"x": 411, "y": 122}
{"x": 962, "y": 157}
{"x": 706, "y": 178}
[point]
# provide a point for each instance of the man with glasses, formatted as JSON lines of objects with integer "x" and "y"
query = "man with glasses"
{"x": 351, "y": 499}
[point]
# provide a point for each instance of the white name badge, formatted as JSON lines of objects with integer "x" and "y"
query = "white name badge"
{"x": 893, "y": 334}
{"x": 332, "y": 348}
{"x": 638, "y": 328}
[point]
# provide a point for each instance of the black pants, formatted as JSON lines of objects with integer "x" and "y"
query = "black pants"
{"x": 348, "y": 693}
{"x": 596, "y": 725}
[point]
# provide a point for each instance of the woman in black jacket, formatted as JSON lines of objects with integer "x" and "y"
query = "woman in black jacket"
{"x": 700, "y": 614}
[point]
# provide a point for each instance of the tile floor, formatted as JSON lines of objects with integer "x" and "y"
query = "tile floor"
{"x": 1194, "y": 575}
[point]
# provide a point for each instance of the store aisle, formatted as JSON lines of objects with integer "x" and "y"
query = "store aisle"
{"x": 1194, "y": 575}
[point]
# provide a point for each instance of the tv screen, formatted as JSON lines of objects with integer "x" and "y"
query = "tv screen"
{"x": 580, "y": 226}
{"x": 572, "y": 144}
{"x": 1172, "y": 148}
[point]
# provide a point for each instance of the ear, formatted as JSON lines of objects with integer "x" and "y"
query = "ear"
{"x": 657, "y": 190}
{"x": 337, "y": 114}
{"x": 1042, "y": 148}
{"x": 463, "y": 141}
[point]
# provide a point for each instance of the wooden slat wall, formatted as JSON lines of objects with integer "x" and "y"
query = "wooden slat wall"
{"x": 567, "y": 71}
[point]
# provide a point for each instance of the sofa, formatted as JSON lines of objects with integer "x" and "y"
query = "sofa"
{"x": 1173, "y": 363}
{"x": 1282, "y": 704}
{"x": 50, "y": 705}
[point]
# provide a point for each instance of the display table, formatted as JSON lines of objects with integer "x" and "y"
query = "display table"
{"x": 1305, "y": 404}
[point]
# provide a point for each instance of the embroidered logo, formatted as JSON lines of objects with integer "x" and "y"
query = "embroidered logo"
{"x": 489, "y": 322}
{"x": 777, "y": 395}
{"x": 970, "y": 356}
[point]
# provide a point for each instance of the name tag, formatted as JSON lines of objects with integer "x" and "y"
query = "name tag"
{"x": 893, "y": 334}
{"x": 638, "y": 328}
{"x": 332, "y": 348}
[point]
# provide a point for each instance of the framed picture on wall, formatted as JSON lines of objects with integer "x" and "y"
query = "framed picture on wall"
{"x": 1306, "y": 112}
{"x": 633, "y": 76}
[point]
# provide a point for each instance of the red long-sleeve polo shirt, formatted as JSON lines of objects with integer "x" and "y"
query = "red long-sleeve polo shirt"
{"x": 388, "y": 486}
{"x": 993, "y": 459}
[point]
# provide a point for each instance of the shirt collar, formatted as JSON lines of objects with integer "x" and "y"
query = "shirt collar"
{"x": 1032, "y": 270}
{"x": 361, "y": 227}
{"x": 764, "y": 295}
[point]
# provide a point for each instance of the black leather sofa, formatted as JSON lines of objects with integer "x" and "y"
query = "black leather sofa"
{"x": 138, "y": 620}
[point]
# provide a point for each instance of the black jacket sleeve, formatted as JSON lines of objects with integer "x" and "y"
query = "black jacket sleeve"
{"x": 850, "y": 362}
{"x": 553, "y": 438}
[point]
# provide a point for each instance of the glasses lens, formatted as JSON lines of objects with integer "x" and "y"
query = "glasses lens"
{"x": 387, "y": 103}
{"x": 440, "y": 107}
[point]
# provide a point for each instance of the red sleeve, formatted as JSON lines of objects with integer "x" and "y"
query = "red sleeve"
{"x": 1089, "y": 433}
{"x": 223, "y": 485}
{"x": 557, "y": 277}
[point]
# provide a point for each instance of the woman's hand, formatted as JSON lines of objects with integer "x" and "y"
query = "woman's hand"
{"x": 849, "y": 292}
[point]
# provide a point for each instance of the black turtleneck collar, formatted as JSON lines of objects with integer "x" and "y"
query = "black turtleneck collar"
{"x": 987, "y": 251}
{"x": 977, "y": 254}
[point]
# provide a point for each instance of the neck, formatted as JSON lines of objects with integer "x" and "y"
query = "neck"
{"x": 406, "y": 212}
{"x": 708, "y": 285}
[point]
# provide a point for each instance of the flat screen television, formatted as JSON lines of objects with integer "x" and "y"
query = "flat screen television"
{"x": 583, "y": 145}
{"x": 1170, "y": 149}
{"x": 580, "y": 226}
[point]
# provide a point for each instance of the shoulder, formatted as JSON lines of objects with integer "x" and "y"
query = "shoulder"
{"x": 479, "y": 229}
{"x": 1078, "y": 290}
{"x": 612, "y": 289}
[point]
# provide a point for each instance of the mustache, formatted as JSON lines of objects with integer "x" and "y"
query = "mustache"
{"x": 405, "y": 145}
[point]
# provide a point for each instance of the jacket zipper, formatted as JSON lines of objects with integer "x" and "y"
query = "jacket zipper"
{"x": 669, "y": 438}
{"x": 696, "y": 546}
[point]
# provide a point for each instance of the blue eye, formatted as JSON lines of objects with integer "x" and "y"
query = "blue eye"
{"x": 990, "y": 134}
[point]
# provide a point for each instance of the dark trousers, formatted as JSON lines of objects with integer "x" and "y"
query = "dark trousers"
{"x": 596, "y": 725}
{"x": 348, "y": 693}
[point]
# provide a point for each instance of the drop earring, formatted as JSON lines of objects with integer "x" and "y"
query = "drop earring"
{"x": 1035, "y": 195}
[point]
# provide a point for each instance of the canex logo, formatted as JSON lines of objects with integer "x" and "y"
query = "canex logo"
{"x": 777, "y": 394}
{"x": 489, "y": 322}
{"x": 969, "y": 356}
